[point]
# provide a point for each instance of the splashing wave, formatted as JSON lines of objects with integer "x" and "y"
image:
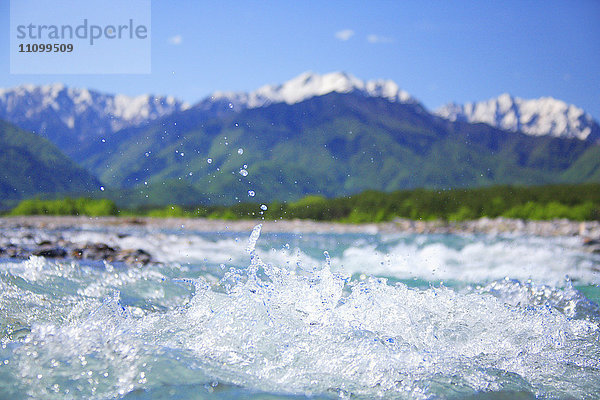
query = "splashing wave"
{"x": 292, "y": 330}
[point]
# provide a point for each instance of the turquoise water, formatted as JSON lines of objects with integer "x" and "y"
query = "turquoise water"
{"x": 291, "y": 316}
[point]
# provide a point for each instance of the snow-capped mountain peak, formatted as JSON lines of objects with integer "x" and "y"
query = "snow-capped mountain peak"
{"x": 537, "y": 117}
{"x": 72, "y": 104}
{"x": 310, "y": 84}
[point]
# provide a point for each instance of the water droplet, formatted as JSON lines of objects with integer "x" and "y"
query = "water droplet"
{"x": 230, "y": 105}
{"x": 240, "y": 151}
{"x": 253, "y": 238}
{"x": 251, "y": 193}
{"x": 209, "y": 161}
{"x": 263, "y": 207}
{"x": 102, "y": 188}
{"x": 182, "y": 154}
{"x": 243, "y": 172}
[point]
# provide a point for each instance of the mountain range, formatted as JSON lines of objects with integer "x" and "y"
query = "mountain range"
{"x": 32, "y": 165}
{"x": 329, "y": 134}
{"x": 76, "y": 120}
{"x": 537, "y": 117}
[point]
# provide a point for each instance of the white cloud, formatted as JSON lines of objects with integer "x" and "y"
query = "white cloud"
{"x": 372, "y": 38}
{"x": 344, "y": 34}
{"x": 176, "y": 40}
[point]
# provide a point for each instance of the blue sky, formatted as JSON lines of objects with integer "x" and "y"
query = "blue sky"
{"x": 438, "y": 51}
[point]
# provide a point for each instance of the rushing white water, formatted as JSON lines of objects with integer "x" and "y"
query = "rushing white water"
{"x": 474, "y": 259}
{"x": 224, "y": 317}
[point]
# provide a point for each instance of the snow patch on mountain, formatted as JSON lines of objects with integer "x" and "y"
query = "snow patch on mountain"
{"x": 537, "y": 117}
{"x": 71, "y": 105}
{"x": 308, "y": 85}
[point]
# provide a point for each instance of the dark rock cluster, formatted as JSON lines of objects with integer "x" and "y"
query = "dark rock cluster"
{"x": 66, "y": 249}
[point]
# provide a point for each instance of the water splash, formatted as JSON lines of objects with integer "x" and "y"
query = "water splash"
{"x": 253, "y": 239}
{"x": 307, "y": 330}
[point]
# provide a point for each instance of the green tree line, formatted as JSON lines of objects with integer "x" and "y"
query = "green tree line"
{"x": 575, "y": 202}
{"x": 66, "y": 206}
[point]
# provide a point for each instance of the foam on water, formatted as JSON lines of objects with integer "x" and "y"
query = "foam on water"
{"x": 288, "y": 327}
{"x": 474, "y": 259}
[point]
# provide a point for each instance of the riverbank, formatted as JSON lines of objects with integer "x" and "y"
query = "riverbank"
{"x": 589, "y": 230}
{"x": 22, "y": 237}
